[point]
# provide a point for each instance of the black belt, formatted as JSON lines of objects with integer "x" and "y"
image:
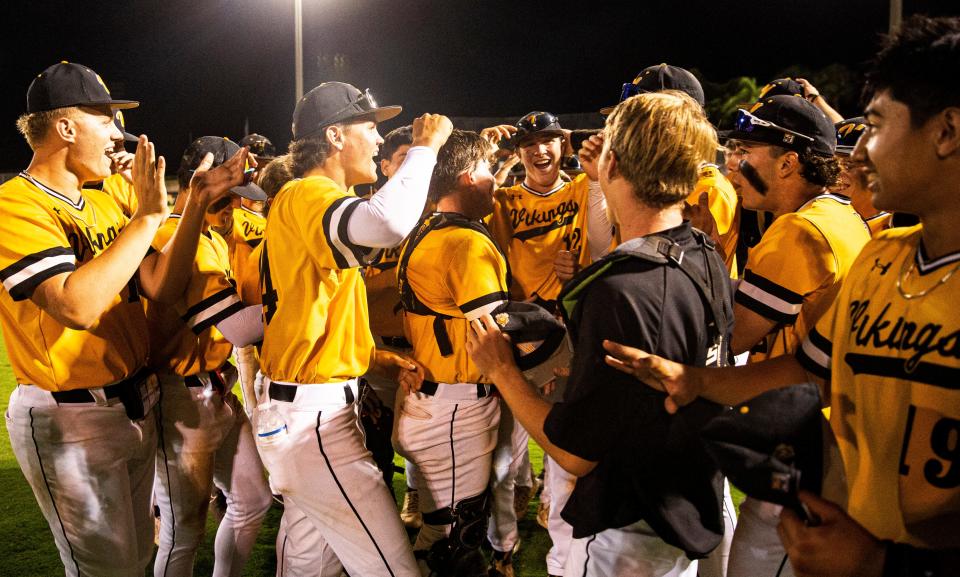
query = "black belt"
{"x": 430, "y": 388}
{"x": 216, "y": 379}
{"x": 110, "y": 391}
{"x": 286, "y": 393}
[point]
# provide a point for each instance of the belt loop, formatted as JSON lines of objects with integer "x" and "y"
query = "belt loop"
{"x": 348, "y": 393}
{"x": 481, "y": 391}
{"x": 99, "y": 396}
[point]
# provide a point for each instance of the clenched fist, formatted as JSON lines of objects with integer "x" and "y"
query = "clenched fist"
{"x": 431, "y": 130}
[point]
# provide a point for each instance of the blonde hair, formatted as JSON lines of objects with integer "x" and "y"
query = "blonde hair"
{"x": 660, "y": 140}
{"x": 34, "y": 125}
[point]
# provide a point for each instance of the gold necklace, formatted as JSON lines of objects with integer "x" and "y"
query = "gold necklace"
{"x": 906, "y": 271}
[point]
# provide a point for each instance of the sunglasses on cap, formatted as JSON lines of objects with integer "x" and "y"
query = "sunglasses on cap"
{"x": 365, "y": 102}
{"x": 746, "y": 122}
{"x": 630, "y": 89}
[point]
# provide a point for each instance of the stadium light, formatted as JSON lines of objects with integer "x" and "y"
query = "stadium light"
{"x": 298, "y": 47}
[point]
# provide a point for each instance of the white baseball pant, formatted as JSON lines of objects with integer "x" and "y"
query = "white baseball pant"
{"x": 319, "y": 463}
{"x": 756, "y": 550}
{"x": 631, "y": 551}
{"x": 511, "y": 462}
{"x": 715, "y": 565}
{"x": 205, "y": 440}
{"x": 450, "y": 437}
{"x": 91, "y": 470}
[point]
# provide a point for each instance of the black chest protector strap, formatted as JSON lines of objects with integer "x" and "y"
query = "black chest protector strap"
{"x": 664, "y": 251}
{"x": 408, "y": 299}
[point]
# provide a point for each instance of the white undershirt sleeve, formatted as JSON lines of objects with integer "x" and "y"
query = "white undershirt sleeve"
{"x": 390, "y": 214}
{"x": 243, "y": 327}
{"x": 599, "y": 229}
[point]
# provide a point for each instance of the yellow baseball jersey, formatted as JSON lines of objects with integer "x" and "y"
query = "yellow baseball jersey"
{"x": 894, "y": 368}
{"x": 532, "y": 227}
{"x": 248, "y": 278}
{"x": 45, "y": 234}
{"x": 794, "y": 273}
{"x": 183, "y": 337}
{"x": 453, "y": 271}
{"x": 247, "y": 233}
{"x": 725, "y": 208}
{"x": 122, "y": 192}
{"x": 314, "y": 302}
{"x": 879, "y": 223}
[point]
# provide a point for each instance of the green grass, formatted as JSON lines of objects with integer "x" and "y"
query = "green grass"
{"x": 27, "y": 548}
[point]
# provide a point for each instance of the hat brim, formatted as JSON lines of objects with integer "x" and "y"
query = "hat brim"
{"x": 376, "y": 114}
{"x": 249, "y": 191}
{"x": 845, "y": 150}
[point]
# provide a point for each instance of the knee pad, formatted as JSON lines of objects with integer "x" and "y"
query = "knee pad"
{"x": 458, "y": 555}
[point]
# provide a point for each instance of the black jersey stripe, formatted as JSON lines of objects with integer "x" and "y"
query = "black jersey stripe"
{"x": 469, "y": 306}
{"x": 525, "y": 235}
{"x": 208, "y": 302}
{"x": 215, "y": 319}
{"x": 923, "y": 372}
{"x": 764, "y": 310}
{"x": 338, "y": 256}
{"x": 31, "y": 259}
{"x": 772, "y": 288}
{"x": 926, "y": 265}
{"x": 359, "y": 253}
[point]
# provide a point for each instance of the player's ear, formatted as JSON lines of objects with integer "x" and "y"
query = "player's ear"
{"x": 611, "y": 166}
{"x": 947, "y": 131}
{"x": 65, "y": 128}
{"x": 788, "y": 163}
{"x": 335, "y": 136}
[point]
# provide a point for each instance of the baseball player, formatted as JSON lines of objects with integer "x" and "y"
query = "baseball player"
{"x": 782, "y": 161}
{"x": 450, "y": 273}
{"x": 648, "y": 499}
{"x": 853, "y": 178}
{"x": 317, "y": 339}
{"x": 533, "y": 222}
{"x": 885, "y": 350}
{"x": 81, "y": 420}
{"x": 722, "y": 199}
{"x": 205, "y": 436}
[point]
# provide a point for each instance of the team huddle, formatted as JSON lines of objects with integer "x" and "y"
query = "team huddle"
{"x": 585, "y": 289}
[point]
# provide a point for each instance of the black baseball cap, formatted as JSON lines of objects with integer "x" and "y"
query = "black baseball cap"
{"x": 334, "y": 102}
{"x": 781, "y": 87}
{"x": 222, "y": 150}
{"x": 659, "y": 78}
{"x": 69, "y": 84}
{"x": 772, "y": 446}
{"x": 122, "y": 127}
{"x": 529, "y": 324}
{"x": 849, "y": 132}
{"x": 535, "y": 124}
{"x": 786, "y": 121}
{"x": 259, "y": 145}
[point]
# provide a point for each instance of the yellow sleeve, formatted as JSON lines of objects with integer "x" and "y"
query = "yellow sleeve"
{"x": 33, "y": 246}
{"x": 792, "y": 260}
{"x": 248, "y": 281}
{"x": 328, "y": 225}
{"x": 476, "y": 273}
{"x": 721, "y": 196}
{"x": 210, "y": 297}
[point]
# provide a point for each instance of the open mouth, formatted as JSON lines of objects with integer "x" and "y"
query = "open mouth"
{"x": 542, "y": 164}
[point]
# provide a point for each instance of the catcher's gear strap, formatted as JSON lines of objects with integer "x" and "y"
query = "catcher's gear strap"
{"x": 664, "y": 251}
{"x": 468, "y": 518}
{"x": 408, "y": 299}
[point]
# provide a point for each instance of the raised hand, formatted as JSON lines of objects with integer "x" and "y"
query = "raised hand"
{"x": 431, "y": 130}
{"x": 211, "y": 184}
{"x": 148, "y": 179}
{"x": 589, "y": 155}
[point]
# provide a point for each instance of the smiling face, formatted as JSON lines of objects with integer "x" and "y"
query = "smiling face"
{"x": 361, "y": 144}
{"x": 541, "y": 156}
{"x": 899, "y": 160}
{"x": 219, "y": 215}
{"x": 93, "y": 138}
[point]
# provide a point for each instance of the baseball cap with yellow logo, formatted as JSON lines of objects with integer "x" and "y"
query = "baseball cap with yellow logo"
{"x": 69, "y": 84}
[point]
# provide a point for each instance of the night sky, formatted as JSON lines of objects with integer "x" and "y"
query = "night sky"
{"x": 204, "y": 66}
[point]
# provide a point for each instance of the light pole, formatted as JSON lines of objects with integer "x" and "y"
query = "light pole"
{"x": 298, "y": 46}
{"x": 896, "y": 14}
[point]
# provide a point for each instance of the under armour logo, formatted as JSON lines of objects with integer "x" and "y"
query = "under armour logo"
{"x": 56, "y": 210}
{"x": 883, "y": 267}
